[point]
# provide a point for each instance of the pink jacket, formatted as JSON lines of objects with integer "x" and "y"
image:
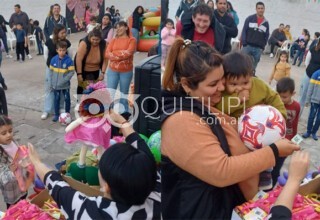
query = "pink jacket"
{"x": 168, "y": 36}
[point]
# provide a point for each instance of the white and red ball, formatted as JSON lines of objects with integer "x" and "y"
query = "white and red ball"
{"x": 65, "y": 118}
{"x": 261, "y": 125}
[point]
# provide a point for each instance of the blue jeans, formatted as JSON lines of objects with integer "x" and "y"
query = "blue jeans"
{"x": 40, "y": 47}
{"x": 303, "y": 91}
{"x": 299, "y": 55}
{"x": 294, "y": 47}
{"x": 255, "y": 52}
{"x": 57, "y": 95}
{"x": 313, "y": 126}
{"x": 113, "y": 79}
{"x": 49, "y": 96}
{"x": 136, "y": 34}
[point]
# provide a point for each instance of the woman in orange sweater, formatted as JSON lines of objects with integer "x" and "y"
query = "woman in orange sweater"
{"x": 206, "y": 169}
{"x": 120, "y": 52}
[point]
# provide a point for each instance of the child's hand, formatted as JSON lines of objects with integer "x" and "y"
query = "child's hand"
{"x": 299, "y": 165}
{"x": 13, "y": 167}
{"x": 244, "y": 95}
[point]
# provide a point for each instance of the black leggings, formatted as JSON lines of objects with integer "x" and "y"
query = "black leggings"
{"x": 88, "y": 75}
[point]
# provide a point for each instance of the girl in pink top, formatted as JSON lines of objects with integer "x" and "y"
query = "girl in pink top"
{"x": 167, "y": 37}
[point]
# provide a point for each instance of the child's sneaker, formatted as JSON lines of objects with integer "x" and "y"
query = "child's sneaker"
{"x": 44, "y": 115}
{"x": 306, "y": 135}
{"x": 9, "y": 56}
{"x": 29, "y": 56}
{"x": 265, "y": 180}
{"x": 314, "y": 136}
{"x": 55, "y": 118}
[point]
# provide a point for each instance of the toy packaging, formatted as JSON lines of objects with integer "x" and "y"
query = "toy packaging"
{"x": 24, "y": 171}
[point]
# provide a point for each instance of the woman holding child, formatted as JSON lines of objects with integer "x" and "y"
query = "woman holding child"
{"x": 206, "y": 169}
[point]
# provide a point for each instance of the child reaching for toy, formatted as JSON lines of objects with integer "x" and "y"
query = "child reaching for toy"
{"x": 9, "y": 185}
{"x": 128, "y": 178}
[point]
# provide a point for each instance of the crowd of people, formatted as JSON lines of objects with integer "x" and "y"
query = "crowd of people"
{"x": 206, "y": 170}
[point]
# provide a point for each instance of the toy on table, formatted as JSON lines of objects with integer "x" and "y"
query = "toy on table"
{"x": 51, "y": 207}
{"x": 91, "y": 129}
{"x": 282, "y": 179}
{"x": 24, "y": 210}
{"x": 24, "y": 170}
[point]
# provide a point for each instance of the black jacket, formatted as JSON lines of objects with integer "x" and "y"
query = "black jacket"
{"x": 219, "y": 32}
{"x": 314, "y": 64}
{"x": 230, "y": 27}
{"x": 3, "y": 23}
{"x": 252, "y": 34}
{"x": 184, "y": 196}
{"x": 277, "y": 36}
{"x": 136, "y": 20}
{"x": 105, "y": 31}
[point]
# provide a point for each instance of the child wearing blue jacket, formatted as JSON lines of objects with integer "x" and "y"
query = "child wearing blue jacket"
{"x": 61, "y": 72}
{"x": 313, "y": 97}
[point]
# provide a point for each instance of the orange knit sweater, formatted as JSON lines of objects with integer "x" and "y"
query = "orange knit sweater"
{"x": 120, "y": 54}
{"x": 191, "y": 145}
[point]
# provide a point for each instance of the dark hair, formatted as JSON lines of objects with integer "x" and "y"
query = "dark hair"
{"x": 168, "y": 20}
{"x": 317, "y": 47}
{"x": 129, "y": 172}
{"x": 107, "y": 15}
{"x": 317, "y": 34}
{"x": 56, "y": 4}
{"x": 36, "y": 23}
{"x": 287, "y": 26}
{"x": 210, "y": 1}
{"x": 154, "y": 31}
{"x": 203, "y": 9}
{"x": 305, "y": 31}
{"x": 190, "y": 60}
{"x": 137, "y": 8}
{"x": 56, "y": 31}
{"x": 19, "y": 23}
{"x": 237, "y": 64}
{"x": 17, "y": 6}
{"x": 218, "y": 1}
{"x": 96, "y": 32}
{"x": 230, "y": 5}
{"x": 282, "y": 52}
{"x": 281, "y": 24}
{"x": 4, "y": 157}
{"x": 259, "y": 3}
{"x": 123, "y": 24}
{"x": 93, "y": 18}
{"x": 62, "y": 44}
{"x": 285, "y": 84}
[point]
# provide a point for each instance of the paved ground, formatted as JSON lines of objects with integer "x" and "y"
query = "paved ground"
{"x": 25, "y": 102}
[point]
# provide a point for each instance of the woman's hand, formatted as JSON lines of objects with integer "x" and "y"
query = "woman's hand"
{"x": 80, "y": 78}
{"x": 286, "y": 147}
{"x": 101, "y": 77}
{"x": 33, "y": 155}
{"x": 117, "y": 118}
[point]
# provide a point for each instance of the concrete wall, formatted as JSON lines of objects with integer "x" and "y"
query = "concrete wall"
{"x": 38, "y": 9}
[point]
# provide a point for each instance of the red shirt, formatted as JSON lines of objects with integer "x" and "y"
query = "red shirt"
{"x": 207, "y": 37}
{"x": 293, "y": 111}
{"x": 259, "y": 20}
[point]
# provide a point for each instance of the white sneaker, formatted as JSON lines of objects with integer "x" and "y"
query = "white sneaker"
{"x": 9, "y": 56}
{"x": 44, "y": 115}
{"x": 29, "y": 56}
{"x": 271, "y": 55}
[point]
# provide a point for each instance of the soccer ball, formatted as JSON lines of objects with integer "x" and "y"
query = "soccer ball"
{"x": 65, "y": 118}
{"x": 261, "y": 125}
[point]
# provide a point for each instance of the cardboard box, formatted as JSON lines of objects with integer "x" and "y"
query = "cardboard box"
{"x": 81, "y": 187}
